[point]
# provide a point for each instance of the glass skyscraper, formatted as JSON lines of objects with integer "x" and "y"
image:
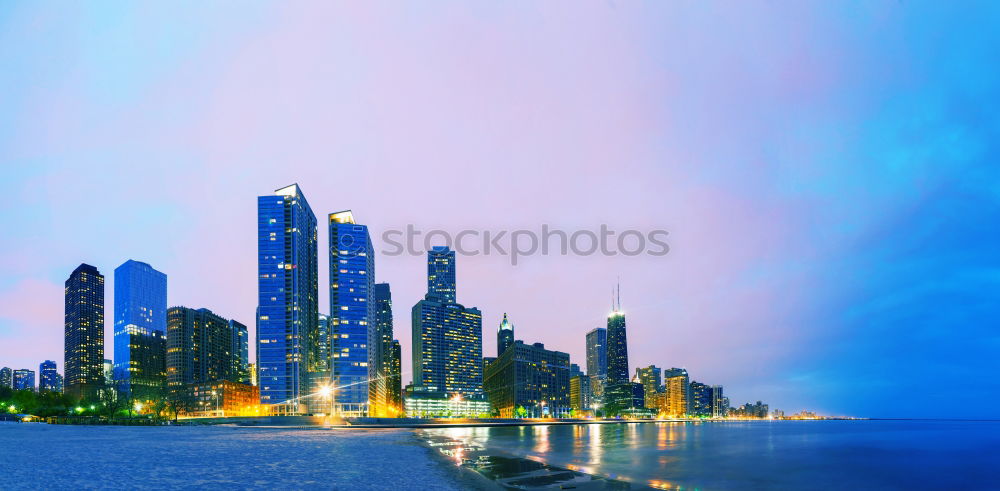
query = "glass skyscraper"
{"x": 140, "y": 327}
{"x": 48, "y": 377}
{"x": 597, "y": 353}
{"x": 24, "y": 379}
{"x": 441, "y": 273}
{"x": 381, "y": 391}
{"x": 287, "y": 289}
{"x": 447, "y": 337}
{"x": 6, "y": 377}
{"x": 84, "y": 332}
{"x": 352, "y": 313}
{"x": 505, "y": 335}
{"x": 617, "y": 349}
{"x": 203, "y": 347}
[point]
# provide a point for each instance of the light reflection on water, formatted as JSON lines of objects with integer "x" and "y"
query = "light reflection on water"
{"x": 784, "y": 454}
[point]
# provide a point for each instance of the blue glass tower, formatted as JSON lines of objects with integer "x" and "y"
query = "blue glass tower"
{"x": 48, "y": 377}
{"x": 353, "y": 330}
{"x": 140, "y": 327}
{"x": 441, "y": 273}
{"x": 287, "y": 288}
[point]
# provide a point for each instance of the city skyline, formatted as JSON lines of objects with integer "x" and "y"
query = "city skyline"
{"x": 828, "y": 188}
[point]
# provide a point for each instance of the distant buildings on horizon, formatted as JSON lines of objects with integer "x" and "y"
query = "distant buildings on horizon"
{"x": 346, "y": 361}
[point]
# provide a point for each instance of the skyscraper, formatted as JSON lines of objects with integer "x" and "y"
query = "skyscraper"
{"x": 441, "y": 274}
{"x": 720, "y": 403}
{"x": 395, "y": 399}
{"x": 48, "y": 377}
{"x": 287, "y": 287}
{"x": 354, "y": 343}
{"x": 579, "y": 393}
{"x": 6, "y": 377}
{"x": 202, "y": 347}
{"x": 597, "y": 352}
{"x": 140, "y": 327}
{"x": 505, "y": 335}
{"x": 617, "y": 347}
{"x": 84, "y": 332}
{"x": 24, "y": 379}
{"x": 447, "y": 337}
{"x": 650, "y": 379}
{"x": 381, "y": 402}
{"x": 701, "y": 400}
{"x": 678, "y": 396}
{"x": 240, "y": 356}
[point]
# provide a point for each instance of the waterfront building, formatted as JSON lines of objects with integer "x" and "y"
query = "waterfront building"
{"x": 354, "y": 343}
{"x": 24, "y": 379}
{"x": 447, "y": 336}
{"x": 6, "y": 377}
{"x": 201, "y": 348}
{"x": 701, "y": 400}
{"x": 580, "y": 393}
{"x": 418, "y": 402}
{"x": 384, "y": 387}
{"x": 626, "y": 399}
{"x": 220, "y": 398}
{"x": 84, "y": 332}
{"x": 394, "y": 400}
{"x": 597, "y": 363}
{"x": 651, "y": 382}
{"x": 677, "y": 388}
{"x": 140, "y": 326}
{"x": 287, "y": 287}
{"x": 48, "y": 378}
{"x": 778, "y": 414}
{"x": 720, "y": 404}
{"x": 505, "y": 335}
{"x": 240, "y": 352}
{"x": 531, "y": 377}
{"x": 617, "y": 346}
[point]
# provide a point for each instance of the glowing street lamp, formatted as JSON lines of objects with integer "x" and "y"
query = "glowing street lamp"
{"x": 138, "y": 407}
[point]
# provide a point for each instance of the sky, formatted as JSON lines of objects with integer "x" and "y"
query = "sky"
{"x": 827, "y": 173}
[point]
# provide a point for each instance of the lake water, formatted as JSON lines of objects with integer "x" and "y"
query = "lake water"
{"x": 760, "y": 454}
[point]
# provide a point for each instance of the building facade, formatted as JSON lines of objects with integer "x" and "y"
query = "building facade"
{"x": 650, "y": 378}
{"x": 447, "y": 336}
{"x": 529, "y": 380}
{"x": 6, "y": 377}
{"x": 353, "y": 340}
{"x": 580, "y": 394}
{"x": 24, "y": 379}
{"x": 287, "y": 287}
{"x": 221, "y": 398}
{"x": 202, "y": 348}
{"x": 677, "y": 390}
{"x": 384, "y": 399}
{"x": 140, "y": 328}
{"x": 84, "y": 332}
{"x": 505, "y": 335}
{"x": 48, "y": 377}
{"x": 720, "y": 404}
{"x": 701, "y": 400}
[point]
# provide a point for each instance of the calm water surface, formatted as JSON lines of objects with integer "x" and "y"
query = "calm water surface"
{"x": 762, "y": 455}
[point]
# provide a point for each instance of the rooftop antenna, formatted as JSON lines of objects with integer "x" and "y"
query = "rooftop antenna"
{"x": 619, "y": 294}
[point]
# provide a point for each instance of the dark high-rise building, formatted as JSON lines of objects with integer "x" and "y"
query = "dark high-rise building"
{"x": 447, "y": 337}
{"x": 84, "y": 329}
{"x": 624, "y": 398}
{"x": 574, "y": 370}
{"x": 6, "y": 377}
{"x": 353, "y": 344}
{"x": 140, "y": 328}
{"x": 720, "y": 403}
{"x": 529, "y": 376}
{"x": 597, "y": 353}
{"x": 24, "y": 379}
{"x": 287, "y": 287}
{"x": 202, "y": 347}
{"x": 441, "y": 274}
{"x": 241, "y": 352}
{"x": 505, "y": 335}
{"x": 701, "y": 400}
{"x": 394, "y": 401}
{"x": 48, "y": 377}
{"x": 381, "y": 401}
{"x": 617, "y": 348}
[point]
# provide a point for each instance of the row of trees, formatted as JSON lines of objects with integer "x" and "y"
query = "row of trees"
{"x": 113, "y": 401}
